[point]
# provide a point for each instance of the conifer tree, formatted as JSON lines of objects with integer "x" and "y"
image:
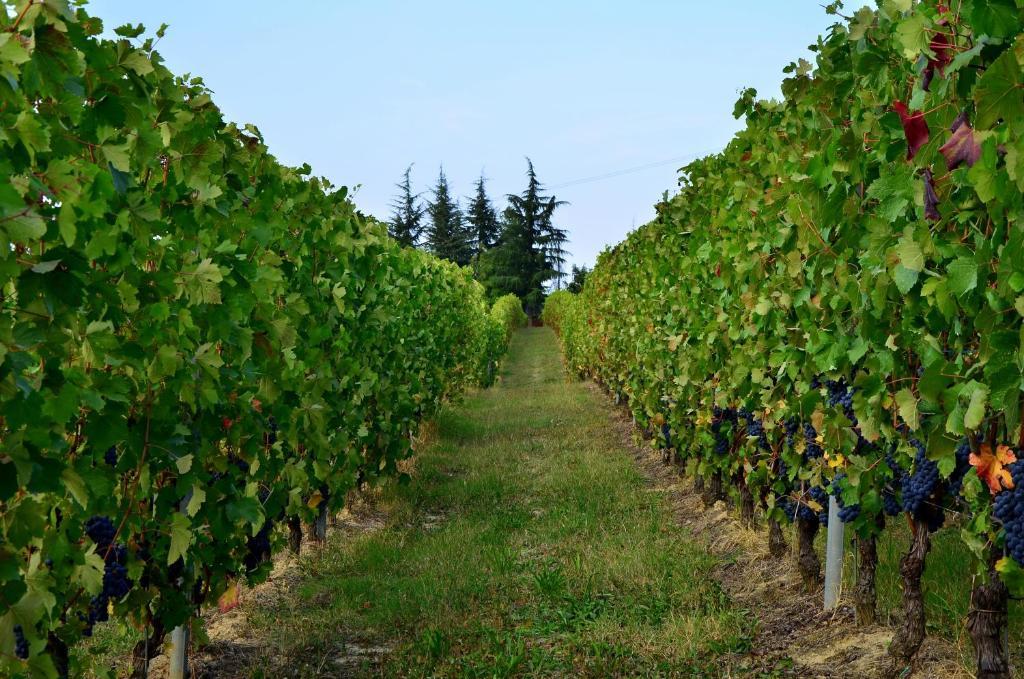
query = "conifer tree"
{"x": 406, "y": 223}
{"x": 531, "y": 247}
{"x": 579, "y": 279}
{"x": 447, "y": 236}
{"x": 482, "y": 219}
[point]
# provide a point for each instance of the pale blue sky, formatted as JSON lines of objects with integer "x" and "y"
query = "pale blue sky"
{"x": 359, "y": 89}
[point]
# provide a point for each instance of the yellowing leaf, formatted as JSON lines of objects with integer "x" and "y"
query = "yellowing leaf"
{"x": 181, "y": 538}
{"x": 229, "y": 599}
{"x": 196, "y": 501}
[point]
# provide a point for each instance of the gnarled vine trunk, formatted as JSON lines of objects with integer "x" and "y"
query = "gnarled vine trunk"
{"x": 58, "y": 651}
{"x": 698, "y": 483}
{"x": 746, "y": 505}
{"x": 864, "y": 596}
{"x": 807, "y": 559}
{"x": 910, "y": 634}
{"x": 713, "y": 491}
{"x": 147, "y": 649}
{"x": 295, "y": 535}
{"x": 318, "y": 529}
{"x": 776, "y": 540}
{"x": 986, "y": 623}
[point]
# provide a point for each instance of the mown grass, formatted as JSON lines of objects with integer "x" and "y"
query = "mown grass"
{"x": 527, "y": 543}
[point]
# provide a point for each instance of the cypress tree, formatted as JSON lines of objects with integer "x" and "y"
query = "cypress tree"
{"x": 406, "y": 223}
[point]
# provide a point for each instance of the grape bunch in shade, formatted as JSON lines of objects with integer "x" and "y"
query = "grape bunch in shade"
{"x": 1009, "y": 509}
{"x": 110, "y": 457}
{"x": 116, "y": 583}
{"x": 100, "y": 530}
{"x": 791, "y": 426}
{"x": 755, "y": 428}
{"x": 840, "y": 395}
{"x": 813, "y": 450}
{"x": 963, "y": 465}
{"x": 917, "y": 486}
{"x": 21, "y": 649}
{"x": 795, "y": 509}
{"x": 258, "y": 547}
{"x": 721, "y": 439}
{"x": 891, "y": 504}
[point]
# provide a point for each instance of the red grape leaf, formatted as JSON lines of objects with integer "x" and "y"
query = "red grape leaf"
{"x": 962, "y": 147}
{"x": 229, "y": 599}
{"x": 914, "y": 127}
{"x": 931, "y": 199}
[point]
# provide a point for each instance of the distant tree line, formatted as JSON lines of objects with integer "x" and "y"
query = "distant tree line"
{"x": 518, "y": 250}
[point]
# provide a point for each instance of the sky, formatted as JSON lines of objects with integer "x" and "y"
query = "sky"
{"x": 361, "y": 89}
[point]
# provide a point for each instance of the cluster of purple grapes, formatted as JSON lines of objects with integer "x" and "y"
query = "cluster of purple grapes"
{"x": 890, "y": 502}
{"x": 271, "y": 431}
{"x": 1009, "y": 509}
{"x": 840, "y": 394}
{"x": 918, "y": 486}
{"x": 963, "y": 465}
{"x": 100, "y": 530}
{"x": 666, "y": 432}
{"x": 116, "y": 584}
{"x": 755, "y": 428}
{"x": 813, "y": 450}
{"x": 791, "y": 426}
{"x": 721, "y": 439}
{"x": 258, "y": 547}
{"x": 20, "y": 643}
{"x": 801, "y": 510}
{"x": 847, "y": 513}
{"x": 110, "y": 457}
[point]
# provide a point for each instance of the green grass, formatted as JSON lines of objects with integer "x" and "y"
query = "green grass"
{"x": 527, "y": 543}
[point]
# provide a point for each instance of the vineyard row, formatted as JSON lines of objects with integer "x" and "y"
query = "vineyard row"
{"x": 197, "y": 343}
{"x": 833, "y": 304}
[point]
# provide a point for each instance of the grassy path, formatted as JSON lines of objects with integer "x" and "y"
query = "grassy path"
{"x": 527, "y": 543}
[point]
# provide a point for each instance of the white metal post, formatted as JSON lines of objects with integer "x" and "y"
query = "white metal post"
{"x": 178, "y": 652}
{"x": 833, "y": 556}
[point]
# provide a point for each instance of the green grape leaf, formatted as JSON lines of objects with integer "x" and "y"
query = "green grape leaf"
{"x": 907, "y": 403}
{"x": 999, "y": 94}
{"x": 962, "y": 275}
{"x": 975, "y": 413}
{"x": 181, "y": 538}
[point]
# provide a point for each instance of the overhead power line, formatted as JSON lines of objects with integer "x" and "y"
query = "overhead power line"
{"x": 629, "y": 170}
